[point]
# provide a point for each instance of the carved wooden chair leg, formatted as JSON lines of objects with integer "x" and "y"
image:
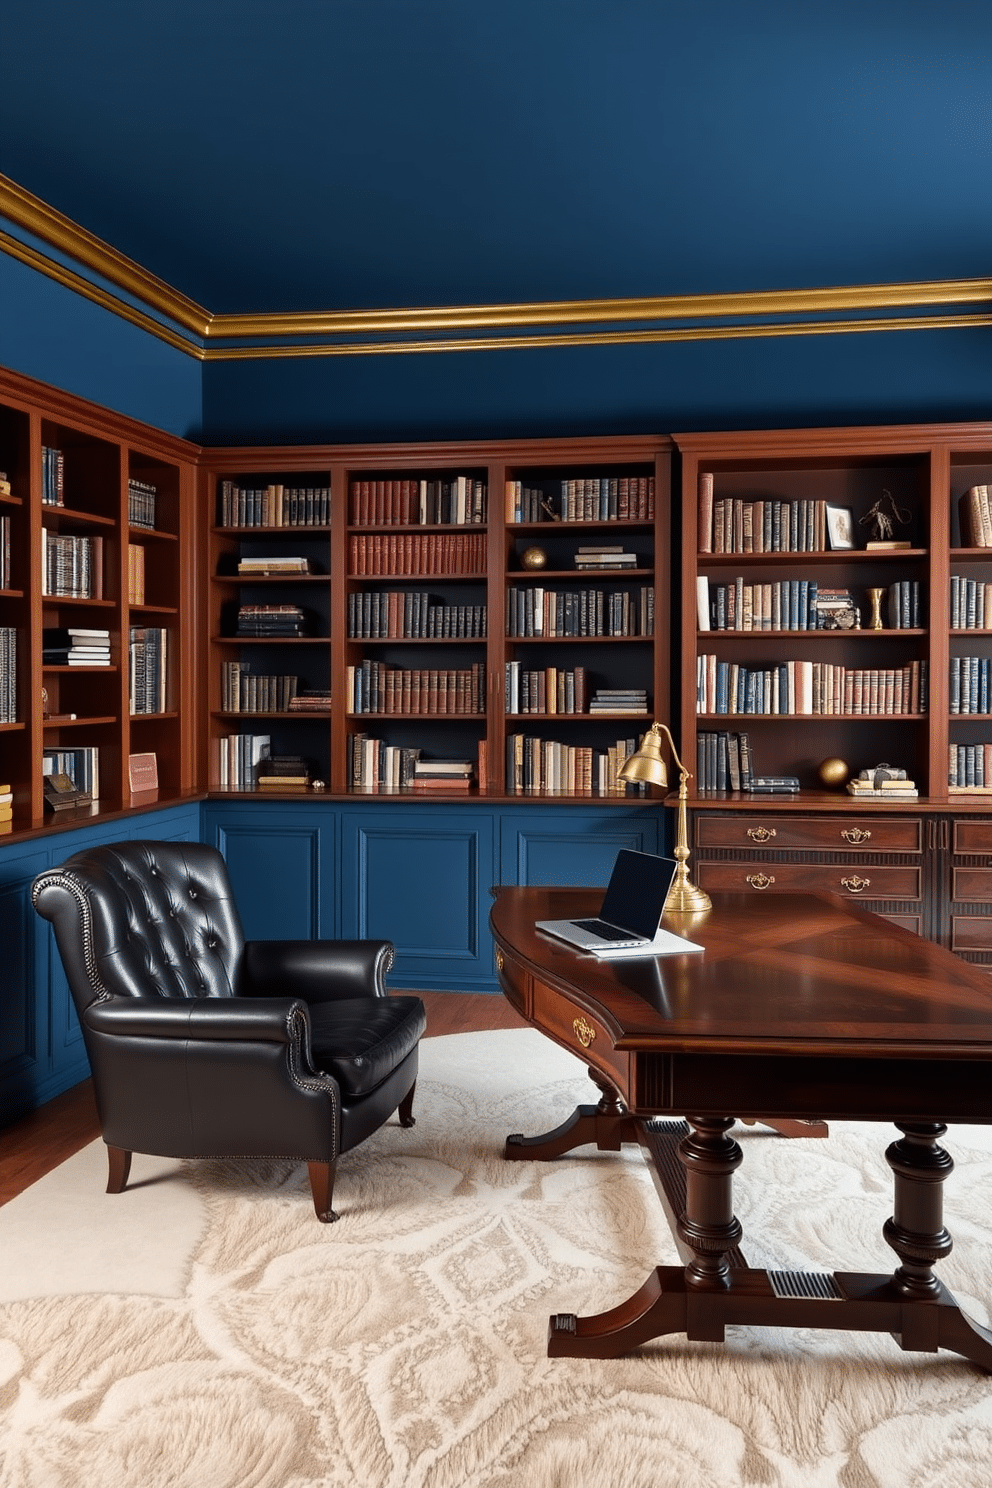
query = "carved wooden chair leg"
{"x": 322, "y": 1188}
{"x": 119, "y": 1167}
{"x": 405, "y": 1109}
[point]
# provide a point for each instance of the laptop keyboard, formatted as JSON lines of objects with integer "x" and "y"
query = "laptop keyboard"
{"x": 607, "y": 932}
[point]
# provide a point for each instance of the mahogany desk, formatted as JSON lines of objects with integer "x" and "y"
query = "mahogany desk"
{"x": 801, "y": 1006}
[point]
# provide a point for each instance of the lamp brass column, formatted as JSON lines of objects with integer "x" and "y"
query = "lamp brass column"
{"x": 647, "y": 764}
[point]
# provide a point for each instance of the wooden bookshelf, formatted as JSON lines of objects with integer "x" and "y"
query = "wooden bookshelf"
{"x": 413, "y": 579}
{"x": 85, "y": 527}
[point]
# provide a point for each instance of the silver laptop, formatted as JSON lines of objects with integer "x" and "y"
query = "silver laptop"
{"x": 632, "y": 905}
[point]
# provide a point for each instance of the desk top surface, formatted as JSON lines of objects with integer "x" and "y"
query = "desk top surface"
{"x": 805, "y": 974}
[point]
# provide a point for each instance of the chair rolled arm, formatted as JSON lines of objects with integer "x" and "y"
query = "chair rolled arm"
{"x": 316, "y": 970}
{"x": 277, "y": 1020}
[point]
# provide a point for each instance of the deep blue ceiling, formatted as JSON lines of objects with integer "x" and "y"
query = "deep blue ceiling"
{"x": 279, "y": 155}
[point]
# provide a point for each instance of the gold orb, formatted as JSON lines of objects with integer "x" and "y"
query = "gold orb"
{"x": 533, "y": 558}
{"x": 834, "y": 772}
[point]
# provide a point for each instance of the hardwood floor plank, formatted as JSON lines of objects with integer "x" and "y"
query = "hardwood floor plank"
{"x": 40, "y": 1141}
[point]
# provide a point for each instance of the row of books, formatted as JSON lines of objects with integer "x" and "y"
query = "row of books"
{"x": 546, "y": 690}
{"x": 975, "y": 512}
{"x": 724, "y": 762}
{"x": 274, "y": 505}
{"x": 8, "y": 674}
{"x": 450, "y": 500}
{"x": 5, "y": 553}
{"x": 607, "y": 498}
{"x": 968, "y": 690}
{"x": 375, "y": 766}
{"x": 582, "y": 612}
{"x": 135, "y": 574}
{"x": 968, "y": 607}
{"x": 437, "y": 553}
{"x": 810, "y": 687}
{"x": 71, "y": 566}
{"x": 375, "y": 687}
{"x": 382, "y": 614}
{"x": 141, "y": 499}
{"x": 735, "y": 525}
{"x": 238, "y": 757}
{"x": 148, "y": 669}
{"x": 52, "y": 476}
{"x": 82, "y": 765}
{"x": 74, "y": 645}
{"x": 797, "y": 604}
{"x": 243, "y": 691}
{"x": 970, "y": 767}
{"x": 548, "y": 767}
{"x": 271, "y": 620}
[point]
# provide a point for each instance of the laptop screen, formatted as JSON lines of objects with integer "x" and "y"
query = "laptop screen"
{"x": 638, "y": 888}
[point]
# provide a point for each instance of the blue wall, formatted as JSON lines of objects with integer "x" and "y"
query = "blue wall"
{"x": 49, "y": 332}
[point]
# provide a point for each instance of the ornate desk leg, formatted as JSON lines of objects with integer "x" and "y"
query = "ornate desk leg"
{"x": 609, "y": 1124}
{"x": 917, "y": 1234}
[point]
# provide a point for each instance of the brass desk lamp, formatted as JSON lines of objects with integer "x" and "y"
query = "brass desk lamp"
{"x": 647, "y": 764}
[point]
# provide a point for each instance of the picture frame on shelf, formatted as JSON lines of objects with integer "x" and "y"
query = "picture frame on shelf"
{"x": 142, "y": 772}
{"x": 840, "y": 527}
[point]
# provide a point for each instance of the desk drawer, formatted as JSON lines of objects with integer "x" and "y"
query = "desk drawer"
{"x": 834, "y": 834}
{"x": 581, "y": 1033}
{"x": 858, "y": 881}
{"x": 974, "y": 837}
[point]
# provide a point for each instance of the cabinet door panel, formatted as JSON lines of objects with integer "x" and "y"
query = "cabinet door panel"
{"x": 275, "y": 876}
{"x": 971, "y": 932}
{"x": 973, "y": 837}
{"x": 421, "y": 878}
{"x": 972, "y": 885}
{"x": 573, "y": 849}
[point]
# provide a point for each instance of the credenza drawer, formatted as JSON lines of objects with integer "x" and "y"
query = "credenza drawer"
{"x": 973, "y": 837}
{"x": 972, "y": 884}
{"x": 833, "y": 834}
{"x": 971, "y": 933}
{"x": 859, "y": 881}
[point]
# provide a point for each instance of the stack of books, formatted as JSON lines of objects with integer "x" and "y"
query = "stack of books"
{"x": 772, "y": 785}
{"x": 885, "y": 790}
{"x": 6, "y": 808}
{"x": 836, "y": 610}
{"x": 75, "y": 646}
{"x": 271, "y": 620}
{"x": 283, "y": 772}
{"x": 619, "y": 700}
{"x": 602, "y": 556}
{"x": 262, "y": 567}
{"x": 443, "y": 774}
{"x": 311, "y": 700}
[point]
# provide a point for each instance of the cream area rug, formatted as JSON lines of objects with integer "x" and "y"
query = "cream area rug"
{"x": 203, "y": 1330}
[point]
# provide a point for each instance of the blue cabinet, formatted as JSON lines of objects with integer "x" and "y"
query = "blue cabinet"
{"x": 573, "y": 846}
{"x": 41, "y": 1046}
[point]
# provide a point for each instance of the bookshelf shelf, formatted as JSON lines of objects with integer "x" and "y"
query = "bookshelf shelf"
{"x": 75, "y": 723}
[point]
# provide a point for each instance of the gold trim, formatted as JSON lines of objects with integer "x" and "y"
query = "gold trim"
{"x": 32, "y": 215}
{"x": 35, "y": 216}
{"x": 75, "y": 282}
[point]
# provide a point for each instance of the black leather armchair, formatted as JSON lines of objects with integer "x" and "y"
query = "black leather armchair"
{"x": 202, "y": 1044}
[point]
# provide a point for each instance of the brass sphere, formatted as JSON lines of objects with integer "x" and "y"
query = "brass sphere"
{"x": 533, "y": 558}
{"x": 834, "y": 772}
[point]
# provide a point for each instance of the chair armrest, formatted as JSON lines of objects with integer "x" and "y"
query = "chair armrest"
{"x": 316, "y": 970}
{"x": 277, "y": 1020}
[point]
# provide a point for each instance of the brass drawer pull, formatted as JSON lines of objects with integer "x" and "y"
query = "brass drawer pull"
{"x": 856, "y": 834}
{"x": 856, "y": 885}
{"x": 584, "y": 1032}
{"x": 760, "y": 834}
{"x": 760, "y": 880}
{"x": 499, "y": 960}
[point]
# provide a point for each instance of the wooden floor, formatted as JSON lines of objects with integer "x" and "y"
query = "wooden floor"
{"x": 36, "y": 1144}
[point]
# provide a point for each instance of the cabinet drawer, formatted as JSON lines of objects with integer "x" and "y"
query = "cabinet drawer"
{"x": 837, "y": 833}
{"x": 858, "y": 882}
{"x": 971, "y": 933}
{"x": 973, "y": 837}
{"x": 972, "y": 884}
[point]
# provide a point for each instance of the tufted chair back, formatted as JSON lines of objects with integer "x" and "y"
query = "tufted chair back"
{"x": 146, "y": 918}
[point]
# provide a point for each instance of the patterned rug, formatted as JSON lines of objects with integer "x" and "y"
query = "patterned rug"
{"x": 203, "y": 1330}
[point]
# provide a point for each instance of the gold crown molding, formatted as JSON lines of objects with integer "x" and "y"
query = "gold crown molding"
{"x": 853, "y": 299}
{"x": 70, "y": 280}
{"x": 749, "y": 310}
{"x": 602, "y": 338}
{"x": 37, "y": 217}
